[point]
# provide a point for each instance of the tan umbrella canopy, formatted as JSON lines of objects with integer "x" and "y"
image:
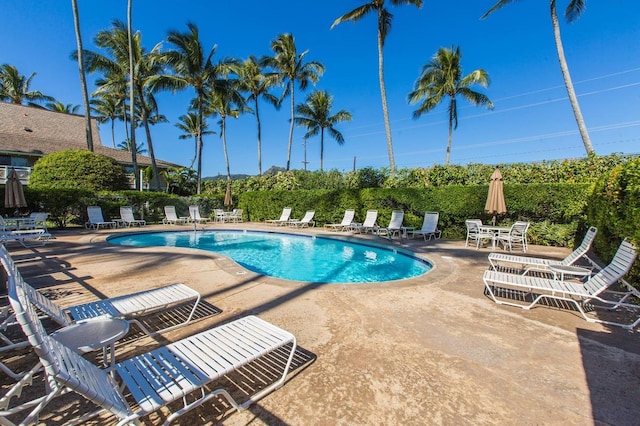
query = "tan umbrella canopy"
{"x": 13, "y": 192}
{"x": 495, "y": 199}
{"x": 228, "y": 201}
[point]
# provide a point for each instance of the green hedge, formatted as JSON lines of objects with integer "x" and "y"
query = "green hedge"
{"x": 614, "y": 207}
{"x": 556, "y": 211}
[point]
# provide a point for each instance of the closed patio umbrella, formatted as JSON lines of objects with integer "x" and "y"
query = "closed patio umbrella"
{"x": 228, "y": 201}
{"x": 495, "y": 199}
{"x": 13, "y": 192}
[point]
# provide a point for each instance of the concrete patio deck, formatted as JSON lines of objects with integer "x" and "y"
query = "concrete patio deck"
{"x": 430, "y": 350}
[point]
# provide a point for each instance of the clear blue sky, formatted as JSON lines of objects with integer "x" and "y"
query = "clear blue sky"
{"x": 532, "y": 119}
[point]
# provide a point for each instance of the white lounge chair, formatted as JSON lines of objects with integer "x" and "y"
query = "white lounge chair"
{"x": 177, "y": 371}
{"x": 537, "y": 263}
{"x": 284, "y": 217}
{"x": 194, "y": 215}
{"x": 369, "y": 223}
{"x": 128, "y": 306}
{"x": 305, "y": 222}
{"x": 517, "y": 236}
{"x": 395, "y": 225}
{"x": 171, "y": 217}
{"x": 4, "y": 226}
{"x": 126, "y": 215}
{"x": 96, "y": 220}
{"x": 26, "y": 237}
{"x": 346, "y": 223}
{"x": 429, "y": 227}
{"x": 576, "y": 293}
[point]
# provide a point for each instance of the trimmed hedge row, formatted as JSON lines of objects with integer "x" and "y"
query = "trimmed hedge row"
{"x": 555, "y": 210}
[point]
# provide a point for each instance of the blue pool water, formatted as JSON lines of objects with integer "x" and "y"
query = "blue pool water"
{"x": 292, "y": 257}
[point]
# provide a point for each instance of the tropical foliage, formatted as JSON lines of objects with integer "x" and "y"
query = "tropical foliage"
{"x": 442, "y": 78}
{"x": 291, "y": 69}
{"x": 315, "y": 115}
{"x": 16, "y": 88}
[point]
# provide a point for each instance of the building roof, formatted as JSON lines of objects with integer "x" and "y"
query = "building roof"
{"x": 33, "y": 131}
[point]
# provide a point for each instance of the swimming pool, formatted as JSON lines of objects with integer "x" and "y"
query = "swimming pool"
{"x": 292, "y": 257}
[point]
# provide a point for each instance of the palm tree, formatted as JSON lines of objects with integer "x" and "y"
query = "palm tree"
{"x": 107, "y": 108}
{"x": 14, "y": 87}
{"x": 291, "y": 68}
{"x": 315, "y": 115}
{"x": 127, "y": 145}
{"x": 191, "y": 68}
{"x": 254, "y": 81}
{"x": 384, "y": 26}
{"x": 58, "y": 106}
{"x": 83, "y": 79}
{"x": 442, "y": 77}
{"x": 146, "y": 66}
{"x": 189, "y": 125}
{"x": 225, "y": 100}
{"x": 572, "y": 12}
{"x": 132, "y": 92}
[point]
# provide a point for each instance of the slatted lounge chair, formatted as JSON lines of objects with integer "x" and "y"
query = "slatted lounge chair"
{"x": 517, "y": 236}
{"x": 576, "y": 293}
{"x": 369, "y": 223}
{"x": 194, "y": 215}
{"x": 395, "y": 225}
{"x": 537, "y": 263}
{"x": 305, "y": 222}
{"x": 171, "y": 217}
{"x": 284, "y": 217}
{"x": 28, "y": 238}
{"x": 4, "y": 226}
{"x": 429, "y": 227}
{"x": 128, "y": 306}
{"x": 346, "y": 223}
{"x": 96, "y": 220}
{"x": 178, "y": 371}
{"x": 126, "y": 215}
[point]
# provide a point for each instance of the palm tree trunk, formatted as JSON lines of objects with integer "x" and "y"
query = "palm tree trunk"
{"x": 573, "y": 99}
{"x": 83, "y": 80}
{"x": 321, "y": 147}
{"x": 132, "y": 117}
{"x": 223, "y": 129}
{"x": 446, "y": 159}
{"x": 292, "y": 83}
{"x": 155, "y": 181}
{"x": 385, "y": 109}
{"x": 113, "y": 132}
{"x": 259, "y": 140}
{"x": 199, "y": 173}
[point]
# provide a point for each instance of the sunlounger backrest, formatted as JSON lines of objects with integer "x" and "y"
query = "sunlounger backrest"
{"x": 615, "y": 270}
{"x": 583, "y": 248}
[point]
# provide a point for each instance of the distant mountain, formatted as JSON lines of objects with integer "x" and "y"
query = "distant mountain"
{"x": 270, "y": 171}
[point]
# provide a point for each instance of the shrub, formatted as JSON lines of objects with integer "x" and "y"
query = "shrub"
{"x": 78, "y": 169}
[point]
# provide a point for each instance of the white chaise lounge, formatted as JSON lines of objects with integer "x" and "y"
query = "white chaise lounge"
{"x": 529, "y": 263}
{"x": 570, "y": 291}
{"x": 96, "y": 220}
{"x": 179, "y": 371}
{"x": 346, "y": 223}
{"x": 429, "y": 227}
{"x": 284, "y": 217}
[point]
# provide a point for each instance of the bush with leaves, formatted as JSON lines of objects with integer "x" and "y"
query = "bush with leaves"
{"x": 78, "y": 169}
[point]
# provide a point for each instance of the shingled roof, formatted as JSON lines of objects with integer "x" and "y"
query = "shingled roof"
{"x": 33, "y": 131}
